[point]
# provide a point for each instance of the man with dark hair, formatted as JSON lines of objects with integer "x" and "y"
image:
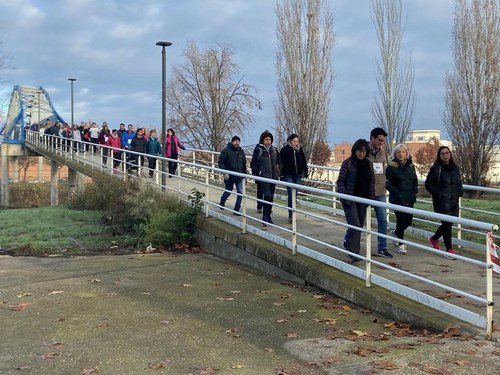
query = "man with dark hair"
{"x": 293, "y": 166}
{"x": 377, "y": 154}
{"x": 233, "y": 159}
{"x": 265, "y": 163}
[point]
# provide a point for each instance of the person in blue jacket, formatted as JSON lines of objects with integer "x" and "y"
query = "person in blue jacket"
{"x": 153, "y": 149}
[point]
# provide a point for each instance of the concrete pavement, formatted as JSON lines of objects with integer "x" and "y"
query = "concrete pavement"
{"x": 197, "y": 314}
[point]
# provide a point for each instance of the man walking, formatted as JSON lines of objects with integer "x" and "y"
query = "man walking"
{"x": 232, "y": 158}
{"x": 377, "y": 154}
{"x": 293, "y": 166}
{"x": 265, "y": 163}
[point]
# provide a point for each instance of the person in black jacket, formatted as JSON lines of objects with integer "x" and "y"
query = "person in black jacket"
{"x": 233, "y": 159}
{"x": 265, "y": 163}
{"x": 138, "y": 144}
{"x": 402, "y": 184}
{"x": 356, "y": 177}
{"x": 445, "y": 185}
{"x": 293, "y": 166}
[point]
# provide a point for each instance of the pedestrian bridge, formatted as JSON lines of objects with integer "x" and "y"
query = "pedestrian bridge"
{"x": 463, "y": 288}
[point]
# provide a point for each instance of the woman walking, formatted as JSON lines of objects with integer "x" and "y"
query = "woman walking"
{"x": 356, "y": 178}
{"x": 172, "y": 150}
{"x": 402, "y": 184}
{"x": 445, "y": 185}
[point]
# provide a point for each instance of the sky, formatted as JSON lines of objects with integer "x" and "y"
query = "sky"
{"x": 109, "y": 47}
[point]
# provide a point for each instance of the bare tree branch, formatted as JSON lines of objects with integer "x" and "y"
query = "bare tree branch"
{"x": 304, "y": 71}
{"x": 472, "y": 112}
{"x": 394, "y": 107}
{"x": 208, "y": 105}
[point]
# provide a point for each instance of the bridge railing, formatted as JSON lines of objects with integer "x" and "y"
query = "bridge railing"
{"x": 303, "y": 237}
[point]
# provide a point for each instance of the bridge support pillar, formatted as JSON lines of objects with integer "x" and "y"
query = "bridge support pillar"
{"x": 75, "y": 181}
{"x": 54, "y": 184}
{"x": 15, "y": 169}
{"x": 4, "y": 181}
{"x": 40, "y": 169}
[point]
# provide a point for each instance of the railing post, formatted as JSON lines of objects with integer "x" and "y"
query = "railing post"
{"x": 368, "y": 280}
{"x": 244, "y": 205}
{"x": 294, "y": 222}
{"x": 207, "y": 190}
{"x": 489, "y": 290}
{"x": 459, "y": 226}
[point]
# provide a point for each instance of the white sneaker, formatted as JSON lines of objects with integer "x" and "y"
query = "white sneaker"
{"x": 402, "y": 249}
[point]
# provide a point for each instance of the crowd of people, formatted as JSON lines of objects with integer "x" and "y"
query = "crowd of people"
{"x": 369, "y": 172}
{"x": 117, "y": 143}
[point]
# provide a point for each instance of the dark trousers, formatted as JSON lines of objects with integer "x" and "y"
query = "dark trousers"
{"x": 355, "y": 214}
{"x": 152, "y": 165}
{"x": 104, "y": 156}
{"x": 444, "y": 230}
{"x": 260, "y": 195}
{"x": 117, "y": 158}
{"x": 403, "y": 221}
{"x": 268, "y": 192}
{"x": 294, "y": 179}
{"x": 172, "y": 166}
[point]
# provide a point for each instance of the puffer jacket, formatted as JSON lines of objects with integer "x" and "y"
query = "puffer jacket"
{"x": 346, "y": 181}
{"x": 265, "y": 162}
{"x": 402, "y": 183}
{"x": 445, "y": 185}
{"x": 293, "y": 162}
{"x": 233, "y": 159}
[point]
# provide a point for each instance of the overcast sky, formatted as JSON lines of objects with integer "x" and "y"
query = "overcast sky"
{"x": 109, "y": 47}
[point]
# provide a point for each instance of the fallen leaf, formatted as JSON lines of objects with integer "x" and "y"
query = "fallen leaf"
{"x": 90, "y": 371}
{"x": 237, "y": 366}
{"x": 346, "y": 308}
{"x": 235, "y": 291}
{"x": 19, "y": 306}
{"x": 53, "y": 293}
{"x": 225, "y": 299}
{"x": 165, "y": 321}
{"x": 460, "y": 362}
{"x": 95, "y": 280}
{"x": 292, "y": 335}
{"x": 281, "y": 320}
{"x": 22, "y": 368}
{"x": 359, "y": 333}
{"x": 186, "y": 285}
{"x": 269, "y": 350}
{"x": 24, "y": 295}
{"x": 452, "y": 331}
{"x": 49, "y": 355}
{"x": 146, "y": 294}
{"x": 160, "y": 365}
{"x": 285, "y": 295}
{"x": 278, "y": 303}
{"x": 302, "y": 311}
{"x": 103, "y": 325}
{"x": 287, "y": 371}
{"x": 55, "y": 345}
{"x": 385, "y": 365}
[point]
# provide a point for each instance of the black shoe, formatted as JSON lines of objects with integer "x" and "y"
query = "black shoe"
{"x": 222, "y": 205}
{"x": 236, "y": 213}
{"x": 259, "y": 210}
{"x": 384, "y": 253}
{"x": 354, "y": 259}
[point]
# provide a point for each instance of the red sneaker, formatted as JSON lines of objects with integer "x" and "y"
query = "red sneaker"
{"x": 434, "y": 243}
{"x": 449, "y": 254}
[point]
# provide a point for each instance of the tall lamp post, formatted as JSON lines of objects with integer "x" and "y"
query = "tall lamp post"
{"x": 38, "y": 120}
{"x": 163, "y": 45}
{"x": 72, "y": 80}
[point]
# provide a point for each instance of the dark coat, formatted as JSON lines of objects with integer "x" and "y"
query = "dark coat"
{"x": 233, "y": 159}
{"x": 402, "y": 183}
{"x": 265, "y": 162}
{"x": 293, "y": 162}
{"x": 445, "y": 185}
{"x": 346, "y": 182}
{"x": 138, "y": 144}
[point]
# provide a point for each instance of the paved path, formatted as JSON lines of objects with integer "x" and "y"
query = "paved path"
{"x": 186, "y": 314}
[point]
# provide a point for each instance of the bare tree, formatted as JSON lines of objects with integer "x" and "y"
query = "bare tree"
{"x": 4, "y": 64}
{"x": 394, "y": 108}
{"x": 426, "y": 156}
{"x": 209, "y": 104}
{"x": 304, "y": 71}
{"x": 472, "y": 112}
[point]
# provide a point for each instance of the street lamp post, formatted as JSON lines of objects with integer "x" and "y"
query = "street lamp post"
{"x": 72, "y": 80}
{"x": 163, "y": 109}
{"x": 38, "y": 99}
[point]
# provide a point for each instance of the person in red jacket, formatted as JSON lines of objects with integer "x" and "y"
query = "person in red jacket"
{"x": 116, "y": 145}
{"x": 172, "y": 150}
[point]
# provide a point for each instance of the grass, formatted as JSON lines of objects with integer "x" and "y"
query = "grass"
{"x": 50, "y": 230}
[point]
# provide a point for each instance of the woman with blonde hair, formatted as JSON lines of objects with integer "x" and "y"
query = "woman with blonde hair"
{"x": 402, "y": 184}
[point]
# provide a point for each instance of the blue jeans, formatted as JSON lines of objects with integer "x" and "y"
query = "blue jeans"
{"x": 295, "y": 179}
{"x": 355, "y": 214}
{"x": 381, "y": 214}
{"x": 228, "y": 186}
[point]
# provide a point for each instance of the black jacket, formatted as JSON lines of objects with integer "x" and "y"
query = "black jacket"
{"x": 138, "y": 144}
{"x": 445, "y": 184}
{"x": 293, "y": 163}
{"x": 233, "y": 159}
{"x": 265, "y": 162}
{"x": 402, "y": 183}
